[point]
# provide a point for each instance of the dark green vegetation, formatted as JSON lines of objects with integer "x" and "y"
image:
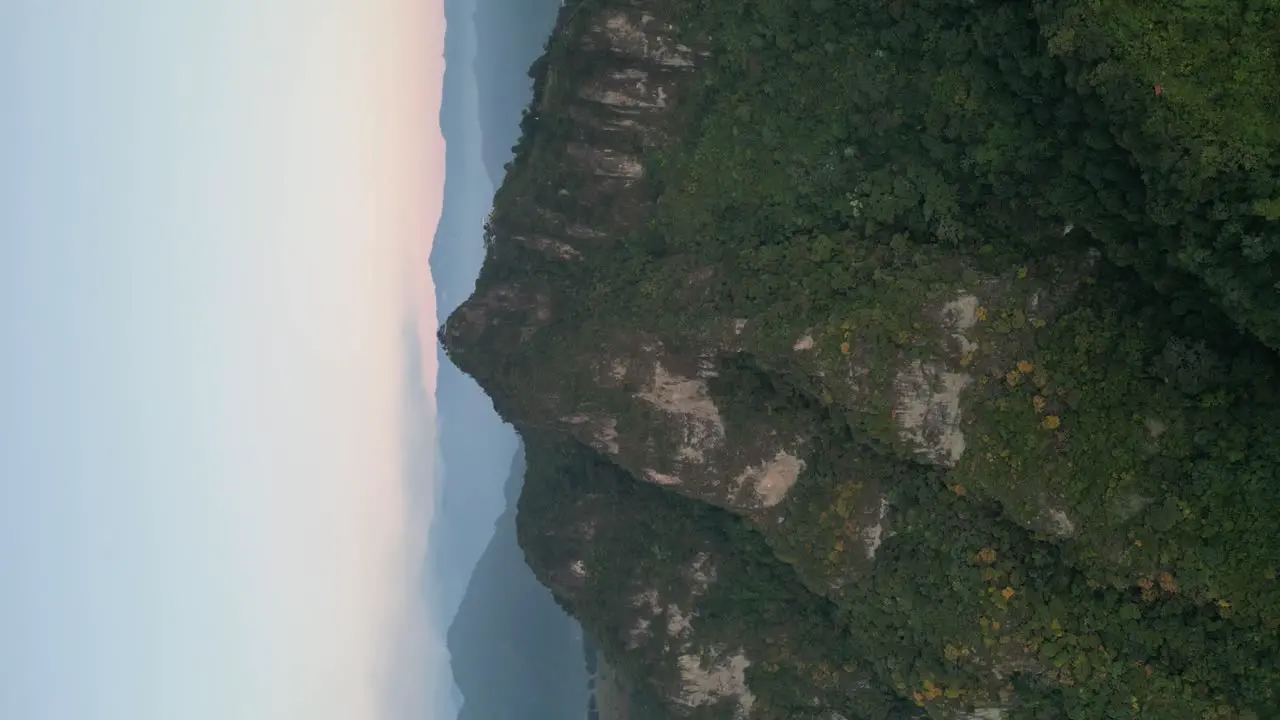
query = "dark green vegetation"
{"x": 1008, "y": 272}
{"x": 645, "y": 539}
{"x": 514, "y": 653}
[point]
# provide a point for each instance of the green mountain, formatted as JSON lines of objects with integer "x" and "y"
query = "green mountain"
{"x": 516, "y": 655}
{"x": 888, "y": 360}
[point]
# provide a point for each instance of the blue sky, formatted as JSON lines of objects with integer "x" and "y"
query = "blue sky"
{"x": 208, "y": 213}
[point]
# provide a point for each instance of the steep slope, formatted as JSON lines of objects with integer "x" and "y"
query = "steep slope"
{"x": 684, "y": 596}
{"x": 474, "y": 443}
{"x": 515, "y": 654}
{"x": 882, "y": 288}
{"x": 488, "y": 48}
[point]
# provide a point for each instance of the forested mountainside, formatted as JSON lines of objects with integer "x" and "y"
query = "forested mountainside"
{"x": 901, "y": 359}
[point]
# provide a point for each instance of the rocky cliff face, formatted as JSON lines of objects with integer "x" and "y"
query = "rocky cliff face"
{"x": 651, "y": 401}
{"x": 633, "y": 396}
{"x": 666, "y": 589}
{"x": 931, "y": 445}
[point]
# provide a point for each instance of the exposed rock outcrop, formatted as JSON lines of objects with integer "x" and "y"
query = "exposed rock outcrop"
{"x": 668, "y": 608}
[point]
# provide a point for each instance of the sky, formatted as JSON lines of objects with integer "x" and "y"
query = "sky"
{"x": 214, "y": 220}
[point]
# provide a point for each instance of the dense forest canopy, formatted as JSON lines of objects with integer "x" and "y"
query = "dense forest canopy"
{"x": 1008, "y": 271}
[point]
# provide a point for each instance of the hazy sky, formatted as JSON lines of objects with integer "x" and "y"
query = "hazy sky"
{"x": 207, "y": 210}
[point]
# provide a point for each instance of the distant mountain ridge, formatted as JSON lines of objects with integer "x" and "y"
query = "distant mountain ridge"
{"x": 510, "y": 35}
{"x": 488, "y": 50}
{"x": 470, "y": 570}
{"x": 516, "y": 654}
